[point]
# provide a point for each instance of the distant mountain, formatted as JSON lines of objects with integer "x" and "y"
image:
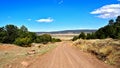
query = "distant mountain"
{"x": 68, "y": 31}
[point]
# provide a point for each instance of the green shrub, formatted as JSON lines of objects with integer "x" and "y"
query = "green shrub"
{"x": 82, "y": 35}
{"x": 45, "y": 38}
{"x": 55, "y": 40}
{"x": 22, "y": 37}
{"x": 75, "y": 38}
{"x": 38, "y": 39}
{"x": 24, "y": 42}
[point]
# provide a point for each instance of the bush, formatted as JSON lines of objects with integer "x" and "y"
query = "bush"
{"x": 75, "y": 38}
{"x": 45, "y": 38}
{"x": 8, "y": 34}
{"x": 24, "y": 42}
{"x": 55, "y": 40}
{"x": 82, "y": 35}
{"x": 38, "y": 39}
{"x": 32, "y": 35}
{"x": 22, "y": 37}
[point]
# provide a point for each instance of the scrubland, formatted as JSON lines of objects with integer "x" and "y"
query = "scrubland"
{"x": 107, "y": 50}
{"x": 10, "y": 53}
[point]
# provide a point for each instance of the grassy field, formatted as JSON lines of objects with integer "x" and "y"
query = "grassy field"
{"x": 10, "y": 53}
{"x": 107, "y": 50}
{"x": 64, "y": 36}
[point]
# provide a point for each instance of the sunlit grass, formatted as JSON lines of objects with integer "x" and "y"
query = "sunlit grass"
{"x": 21, "y": 52}
{"x": 107, "y": 50}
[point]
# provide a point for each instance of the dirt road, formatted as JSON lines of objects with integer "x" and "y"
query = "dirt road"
{"x": 66, "y": 56}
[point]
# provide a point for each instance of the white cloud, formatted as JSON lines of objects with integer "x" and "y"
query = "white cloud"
{"x": 47, "y": 20}
{"x": 107, "y": 11}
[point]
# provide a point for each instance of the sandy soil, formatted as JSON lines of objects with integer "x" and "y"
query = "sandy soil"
{"x": 63, "y": 56}
{"x": 7, "y": 47}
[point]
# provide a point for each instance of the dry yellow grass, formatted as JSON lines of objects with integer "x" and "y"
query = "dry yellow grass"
{"x": 10, "y": 53}
{"x": 64, "y": 36}
{"x": 107, "y": 50}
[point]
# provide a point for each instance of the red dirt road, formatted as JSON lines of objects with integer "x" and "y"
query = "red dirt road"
{"x": 66, "y": 56}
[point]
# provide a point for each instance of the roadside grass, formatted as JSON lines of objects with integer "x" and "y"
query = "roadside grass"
{"x": 9, "y": 56}
{"x": 107, "y": 50}
{"x": 64, "y": 37}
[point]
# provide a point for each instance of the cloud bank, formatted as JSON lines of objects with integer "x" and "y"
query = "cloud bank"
{"x": 45, "y": 20}
{"x": 107, "y": 11}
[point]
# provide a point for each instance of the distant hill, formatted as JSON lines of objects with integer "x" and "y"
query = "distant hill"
{"x": 68, "y": 31}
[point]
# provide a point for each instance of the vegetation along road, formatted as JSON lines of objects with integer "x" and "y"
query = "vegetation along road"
{"x": 65, "y": 56}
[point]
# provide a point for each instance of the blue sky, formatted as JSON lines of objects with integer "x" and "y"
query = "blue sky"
{"x": 55, "y": 15}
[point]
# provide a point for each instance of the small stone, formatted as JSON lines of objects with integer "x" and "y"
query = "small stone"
{"x": 9, "y": 66}
{"x": 31, "y": 52}
{"x": 24, "y": 63}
